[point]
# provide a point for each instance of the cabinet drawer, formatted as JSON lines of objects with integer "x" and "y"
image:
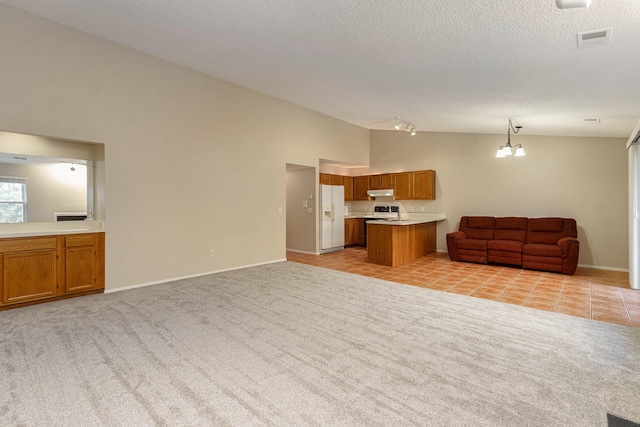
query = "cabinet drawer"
{"x": 28, "y": 244}
{"x": 80, "y": 240}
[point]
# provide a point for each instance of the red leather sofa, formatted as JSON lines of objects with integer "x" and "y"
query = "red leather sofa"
{"x": 548, "y": 244}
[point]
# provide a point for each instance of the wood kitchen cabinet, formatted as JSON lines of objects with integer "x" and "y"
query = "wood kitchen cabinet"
{"x": 386, "y": 181}
{"x": 31, "y": 268}
{"x": 402, "y": 186}
{"x": 84, "y": 262}
{"x": 46, "y": 268}
{"x": 325, "y": 179}
{"x": 347, "y": 181}
{"x": 395, "y": 245}
{"x": 424, "y": 185}
{"x": 360, "y": 187}
{"x": 374, "y": 182}
{"x": 353, "y": 231}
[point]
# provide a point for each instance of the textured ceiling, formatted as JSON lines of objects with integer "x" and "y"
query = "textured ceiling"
{"x": 450, "y": 66}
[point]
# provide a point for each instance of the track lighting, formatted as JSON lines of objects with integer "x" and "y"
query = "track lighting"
{"x": 505, "y": 150}
{"x": 570, "y": 4}
{"x": 406, "y": 126}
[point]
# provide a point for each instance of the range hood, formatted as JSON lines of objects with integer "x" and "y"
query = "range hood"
{"x": 380, "y": 193}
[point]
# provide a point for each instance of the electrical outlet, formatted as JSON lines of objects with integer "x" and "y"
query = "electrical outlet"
{"x": 310, "y": 210}
{"x": 422, "y": 209}
{"x": 212, "y": 252}
{"x": 412, "y": 208}
{"x": 280, "y": 211}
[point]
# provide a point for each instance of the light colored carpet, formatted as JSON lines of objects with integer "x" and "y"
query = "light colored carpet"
{"x": 288, "y": 344}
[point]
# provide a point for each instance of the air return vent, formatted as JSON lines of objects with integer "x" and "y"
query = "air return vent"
{"x": 594, "y": 38}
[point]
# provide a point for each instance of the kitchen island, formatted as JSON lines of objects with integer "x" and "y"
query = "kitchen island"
{"x": 396, "y": 242}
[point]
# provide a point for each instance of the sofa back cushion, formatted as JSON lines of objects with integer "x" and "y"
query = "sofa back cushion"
{"x": 511, "y": 228}
{"x": 549, "y": 230}
{"x": 478, "y": 227}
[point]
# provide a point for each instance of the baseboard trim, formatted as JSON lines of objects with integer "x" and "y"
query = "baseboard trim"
{"x": 302, "y": 252}
{"x": 600, "y": 267}
{"x": 159, "y": 282}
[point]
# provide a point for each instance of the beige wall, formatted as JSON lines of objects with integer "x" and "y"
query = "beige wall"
{"x": 301, "y": 223}
{"x": 581, "y": 178}
{"x": 192, "y": 163}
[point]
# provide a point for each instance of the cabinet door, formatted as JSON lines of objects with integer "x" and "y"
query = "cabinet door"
{"x": 360, "y": 187}
{"x": 82, "y": 267}
{"x": 358, "y": 235}
{"x": 348, "y": 187}
{"x": 424, "y": 185}
{"x": 374, "y": 182}
{"x": 336, "y": 179}
{"x": 29, "y": 275}
{"x": 386, "y": 181}
{"x": 348, "y": 232}
{"x": 325, "y": 179}
{"x": 403, "y": 186}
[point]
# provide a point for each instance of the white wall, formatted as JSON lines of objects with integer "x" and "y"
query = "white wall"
{"x": 192, "y": 163}
{"x": 581, "y": 178}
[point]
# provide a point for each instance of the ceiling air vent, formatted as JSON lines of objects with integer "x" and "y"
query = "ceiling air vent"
{"x": 594, "y": 38}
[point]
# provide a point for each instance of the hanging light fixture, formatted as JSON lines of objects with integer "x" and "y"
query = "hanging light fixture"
{"x": 506, "y": 150}
{"x": 405, "y": 126}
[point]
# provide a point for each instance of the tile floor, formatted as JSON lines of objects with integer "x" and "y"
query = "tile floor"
{"x": 602, "y": 295}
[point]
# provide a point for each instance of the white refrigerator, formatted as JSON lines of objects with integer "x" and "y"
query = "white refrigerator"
{"x": 331, "y": 218}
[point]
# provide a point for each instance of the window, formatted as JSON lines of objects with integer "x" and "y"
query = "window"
{"x": 13, "y": 199}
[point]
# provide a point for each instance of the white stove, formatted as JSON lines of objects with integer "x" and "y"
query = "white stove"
{"x": 385, "y": 212}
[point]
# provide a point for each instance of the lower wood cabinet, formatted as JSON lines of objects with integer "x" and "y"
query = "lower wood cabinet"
{"x": 354, "y": 231}
{"x": 395, "y": 245}
{"x": 40, "y": 269}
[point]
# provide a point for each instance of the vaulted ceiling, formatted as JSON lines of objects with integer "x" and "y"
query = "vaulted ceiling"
{"x": 443, "y": 65}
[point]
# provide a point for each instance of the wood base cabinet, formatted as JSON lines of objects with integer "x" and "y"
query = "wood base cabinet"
{"x": 40, "y": 269}
{"x": 395, "y": 245}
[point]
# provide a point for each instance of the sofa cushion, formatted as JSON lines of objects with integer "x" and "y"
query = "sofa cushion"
{"x": 511, "y": 228}
{"x": 504, "y": 245}
{"x": 536, "y": 249}
{"x": 478, "y": 227}
{"x": 473, "y": 244}
{"x": 550, "y": 230}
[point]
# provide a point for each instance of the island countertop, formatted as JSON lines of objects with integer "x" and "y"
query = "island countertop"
{"x": 31, "y": 229}
{"x": 423, "y": 219}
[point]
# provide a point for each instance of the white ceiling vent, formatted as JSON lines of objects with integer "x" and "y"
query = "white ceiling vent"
{"x": 594, "y": 38}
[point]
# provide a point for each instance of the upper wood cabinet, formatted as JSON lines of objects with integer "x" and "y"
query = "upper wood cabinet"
{"x": 347, "y": 181}
{"x": 424, "y": 185}
{"x": 360, "y": 187}
{"x": 386, "y": 181}
{"x": 417, "y": 185}
{"x": 336, "y": 179}
{"x": 402, "y": 186}
{"x": 374, "y": 182}
{"x": 325, "y": 179}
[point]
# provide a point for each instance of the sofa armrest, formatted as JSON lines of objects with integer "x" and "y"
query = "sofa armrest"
{"x": 457, "y": 235}
{"x": 566, "y": 244}
{"x": 452, "y": 243}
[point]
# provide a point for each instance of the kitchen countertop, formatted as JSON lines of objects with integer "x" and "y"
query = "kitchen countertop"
{"x": 32, "y": 229}
{"x": 407, "y": 219}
